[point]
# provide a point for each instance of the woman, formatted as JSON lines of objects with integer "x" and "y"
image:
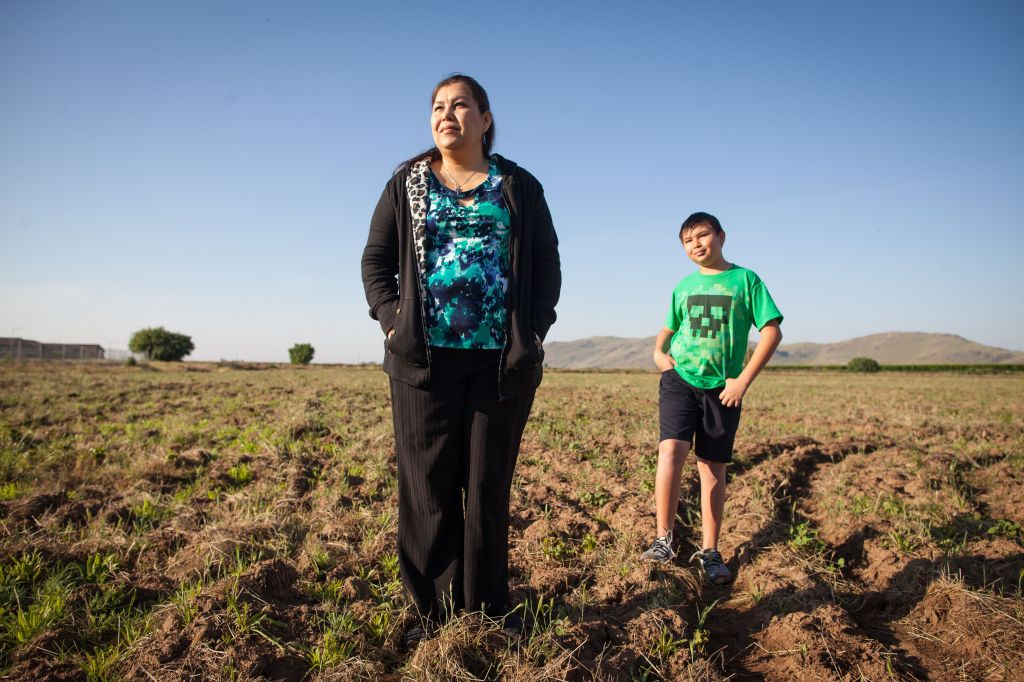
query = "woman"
{"x": 461, "y": 269}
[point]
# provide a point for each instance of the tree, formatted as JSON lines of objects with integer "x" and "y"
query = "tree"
{"x": 863, "y": 365}
{"x": 159, "y": 344}
{"x": 301, "y": 353}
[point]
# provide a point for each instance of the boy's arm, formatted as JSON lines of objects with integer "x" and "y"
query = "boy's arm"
{"x": 735, "y": 389}
{"x": 662, "y": 359}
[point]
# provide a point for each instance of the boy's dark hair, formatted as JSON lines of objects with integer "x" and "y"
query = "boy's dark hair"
{"x": 700, "y": 218}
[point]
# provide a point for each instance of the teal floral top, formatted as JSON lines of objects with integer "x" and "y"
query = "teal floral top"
{"x": 467, "y": 256}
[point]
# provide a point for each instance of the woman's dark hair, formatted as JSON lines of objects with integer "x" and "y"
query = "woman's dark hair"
{"x": 482, "y": 101}
{"x": 700, "y": 218}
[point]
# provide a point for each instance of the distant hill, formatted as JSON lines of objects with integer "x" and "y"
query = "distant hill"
{"x": 890, "y": 348}
{"x": 600, "y": 352}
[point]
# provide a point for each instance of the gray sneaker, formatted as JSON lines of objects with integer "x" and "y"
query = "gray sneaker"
{"x": 660, "y": 550}
{"x": 711, "y": 565}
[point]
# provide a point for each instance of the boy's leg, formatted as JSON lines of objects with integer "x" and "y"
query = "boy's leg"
{"x": 668, "y": 481}
{"x": 678, "y": 414}
{"x": 714, "y": 441}
{"x": 712, "y": 500}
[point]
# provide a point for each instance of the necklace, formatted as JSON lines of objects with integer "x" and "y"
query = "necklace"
{"x": 458, "y": 185}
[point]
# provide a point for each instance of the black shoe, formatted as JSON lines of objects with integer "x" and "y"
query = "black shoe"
{"x": 512, "y": 625}
{"x": 418, "y": 631}
{"x": 711, "y": 565}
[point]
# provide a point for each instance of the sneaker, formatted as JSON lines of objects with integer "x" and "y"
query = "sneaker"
{"x": 711, "y": 565}
{"x": 660, "y": 550}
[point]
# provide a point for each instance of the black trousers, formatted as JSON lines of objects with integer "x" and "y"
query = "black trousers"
{"x": 457, "y": 446}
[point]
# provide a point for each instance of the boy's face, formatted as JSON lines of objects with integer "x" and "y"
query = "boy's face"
{"x": 703, "y": 245}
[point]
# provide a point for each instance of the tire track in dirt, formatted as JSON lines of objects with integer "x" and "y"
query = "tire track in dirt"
{"x": 881, "y": 610}
{"x": 907, "y": 599}
{"x": 792, "y": 621}
{"x": 769, "y": 481}
{"x": 621, "y": 608}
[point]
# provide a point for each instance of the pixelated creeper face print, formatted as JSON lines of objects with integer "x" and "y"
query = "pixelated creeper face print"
{"x": 708, "y": 313}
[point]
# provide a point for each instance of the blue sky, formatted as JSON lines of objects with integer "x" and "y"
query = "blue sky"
{"x": 212, "y": 167}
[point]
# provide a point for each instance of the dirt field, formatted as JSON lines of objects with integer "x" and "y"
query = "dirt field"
{"x": 203, "y": 522}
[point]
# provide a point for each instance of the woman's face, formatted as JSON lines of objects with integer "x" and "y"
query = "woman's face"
{"x": 455, "y": 119}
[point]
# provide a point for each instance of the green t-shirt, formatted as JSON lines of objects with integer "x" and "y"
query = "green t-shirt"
{"x": 711, "y": 317}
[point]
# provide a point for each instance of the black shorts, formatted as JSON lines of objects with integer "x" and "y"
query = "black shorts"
{"x": 687, "y": 411}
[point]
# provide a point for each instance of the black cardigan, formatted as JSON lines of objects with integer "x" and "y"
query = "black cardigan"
{"x": 392, "y": 283}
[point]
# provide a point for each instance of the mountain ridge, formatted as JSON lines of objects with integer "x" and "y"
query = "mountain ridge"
{"x": 888, "y": 348}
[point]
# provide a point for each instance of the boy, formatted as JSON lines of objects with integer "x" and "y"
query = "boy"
{"x": 703, "y": 382}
